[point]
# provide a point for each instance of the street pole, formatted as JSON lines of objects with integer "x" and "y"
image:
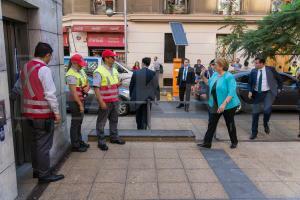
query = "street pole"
{"x": 125, "y": 31}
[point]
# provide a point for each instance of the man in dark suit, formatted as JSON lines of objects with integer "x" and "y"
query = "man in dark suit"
{"x": 143, "y": 87}
{"x": 264, "y": 85}
{"x": 185, "y": 80}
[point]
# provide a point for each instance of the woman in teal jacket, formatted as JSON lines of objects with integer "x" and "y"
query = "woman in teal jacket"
{"x": 223, "y": 100}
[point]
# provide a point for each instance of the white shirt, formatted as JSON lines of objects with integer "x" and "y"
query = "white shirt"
{"x": 265, "y": 86}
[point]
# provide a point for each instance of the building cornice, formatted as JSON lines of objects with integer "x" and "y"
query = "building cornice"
{"x": 189, "y": 18}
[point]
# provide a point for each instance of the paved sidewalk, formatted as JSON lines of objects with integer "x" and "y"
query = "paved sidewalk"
{"x": 169, "y": 171}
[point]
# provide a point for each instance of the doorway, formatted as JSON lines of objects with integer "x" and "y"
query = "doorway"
{"x": 16, "y": 46}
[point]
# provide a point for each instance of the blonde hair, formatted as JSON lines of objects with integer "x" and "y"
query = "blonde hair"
{"x": 223, "y": 63}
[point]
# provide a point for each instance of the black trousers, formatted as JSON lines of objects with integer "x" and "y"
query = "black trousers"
{"x": 213, "y": 123}
{"x": 42, "y": 139}
{"x": 76, "y": 122}
{"x": 142, "y": 116}
{"x": 182, "y": 89}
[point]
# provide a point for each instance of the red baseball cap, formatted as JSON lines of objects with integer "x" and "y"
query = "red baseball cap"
{"x": 79, "y": 60}
{"x": 108, "y": 53}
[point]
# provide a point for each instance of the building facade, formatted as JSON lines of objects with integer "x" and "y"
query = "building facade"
{"x": 149, "y": 32}
{"x": 22, "y": 25}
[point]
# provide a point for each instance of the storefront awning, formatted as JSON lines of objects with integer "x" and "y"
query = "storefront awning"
{"x": 98, "y": 28}
{"x": 66, "y": 39}
{"x": 105, "y": 40}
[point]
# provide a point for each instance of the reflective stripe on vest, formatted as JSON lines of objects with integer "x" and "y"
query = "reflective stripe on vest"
{"x": 109, "y": 84}
{"x": 36, "y": 111}
{"x": 34, "y": 102}
{"x": 27, "y": 75}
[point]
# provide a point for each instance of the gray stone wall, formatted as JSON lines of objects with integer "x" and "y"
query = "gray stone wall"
{"x": 8, "y": 180}
{"x": 45, "y": 24}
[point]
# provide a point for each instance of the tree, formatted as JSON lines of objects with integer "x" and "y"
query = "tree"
{"x": 276, "y": 34}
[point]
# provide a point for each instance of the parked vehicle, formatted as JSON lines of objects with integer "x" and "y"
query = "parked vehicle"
{"x": 91, "y": 104}
{"x": 286, "y": 100}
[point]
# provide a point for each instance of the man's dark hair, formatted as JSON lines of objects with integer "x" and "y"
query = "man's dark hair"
{"x": 246, "y": 63}
{"x": 42, "y": 49}
{"x": 186, "y": 59}
{"x": 146, "y": 61}
{"x": 261, "y": 60}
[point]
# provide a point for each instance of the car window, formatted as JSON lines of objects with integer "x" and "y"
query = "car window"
{"x": 92, "y": 66}
{"x": 288, "y": 81}
{"x": 243, "y": 79}
{"x": 119, "y": 68}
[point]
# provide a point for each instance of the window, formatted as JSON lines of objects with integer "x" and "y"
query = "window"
{"x": 287, "y": 81}
{"x": 243, "y": 79}
{"x": 119, "y": 68}
{"x": 229, "y": 7}
{"x": 276, "y": 4}
{"x": 176, "y": 6}
{"x": 99, "y": 7}
{"x": 170, "y": 49}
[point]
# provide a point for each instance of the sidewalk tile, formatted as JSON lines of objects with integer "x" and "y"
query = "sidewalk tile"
{"x": 275, "y": 190}
{"x": 295, "y": 187}
{"x": 117, "y": 154}
{"x": 141, "y": 176}
{"x": 168, "y": 164}
{"x": 171, "y": 176}
{"x": 195, "y": 164}
{"x": 192, "y": 154}
{"x": 92, "y": 164}
{"x": 166, "y": 153}
{"x": 72, "y": 191}
{"x": 142, "y": 145}
{"x": 261, "y": 174}
{"x": 141, "y": 164}
{"x": 111, "y": 176}
{"x": 209, "y": 191}
{"x": 139, "y": 191}
{"x": 79, "y": 176}
{"x": 91, "y": 154}
{"x": 114, "y": 164}
{"x": 175, "y": 191}
{"x": 50, "y": 191}
{"x": 201, "y": 176}
{"x": 107, "y": 191}
{"x": 141, "y": 153}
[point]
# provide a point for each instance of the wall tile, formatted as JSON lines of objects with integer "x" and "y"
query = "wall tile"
{"x": 52, "y": 39}
{"x": 8, "y": 184}
{"x": 2, "y": 46}
{"x": 4, "y": 92}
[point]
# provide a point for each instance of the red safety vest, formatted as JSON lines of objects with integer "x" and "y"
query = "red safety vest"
{"x": 34, "y": 104}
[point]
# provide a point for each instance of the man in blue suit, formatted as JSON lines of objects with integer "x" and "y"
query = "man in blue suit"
{"x": 143, "y": 87}
{"x": 264, "y": 85}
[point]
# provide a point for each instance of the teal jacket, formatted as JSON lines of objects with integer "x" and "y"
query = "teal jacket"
{"x": 226, "y": 86}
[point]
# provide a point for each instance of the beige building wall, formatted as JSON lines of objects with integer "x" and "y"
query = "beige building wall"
{"x": 147, "y": 39}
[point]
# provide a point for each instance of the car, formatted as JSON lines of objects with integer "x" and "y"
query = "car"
{"x": 91, "y": 104}
{"x": 286, "y": 100}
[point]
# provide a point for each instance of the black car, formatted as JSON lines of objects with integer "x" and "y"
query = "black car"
{"x": 286, "y": 100}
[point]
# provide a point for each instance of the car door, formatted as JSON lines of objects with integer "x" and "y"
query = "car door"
{"x": 125, "y": 76}
{"x": 242, "y": 81}
{"x": 289, "y": 93}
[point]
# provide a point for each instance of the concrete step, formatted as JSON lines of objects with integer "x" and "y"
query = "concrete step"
{"x": 150, "y": 135}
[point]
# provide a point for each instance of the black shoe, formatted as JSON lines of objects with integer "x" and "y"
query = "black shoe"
{"x": 252, "y": 137}
{"x": 51, "y": 178}
{"x": 267, "y": 129}
{"x": 299, "y": 136}
{"x": 233, "y": 146}
{"x": 117, "y": 141}
{"x": 103, "y": 147}
{"x": 180, "y": 106}
{"x": 79, "y": 149}
{"x": 207, "y": 146}
{"x": 83, "y": 144}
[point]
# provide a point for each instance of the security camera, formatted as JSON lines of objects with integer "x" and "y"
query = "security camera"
{"x": 110, "y": 12}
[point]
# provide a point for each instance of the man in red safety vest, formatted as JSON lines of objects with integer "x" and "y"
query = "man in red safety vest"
{"x": 41, "y": 110}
